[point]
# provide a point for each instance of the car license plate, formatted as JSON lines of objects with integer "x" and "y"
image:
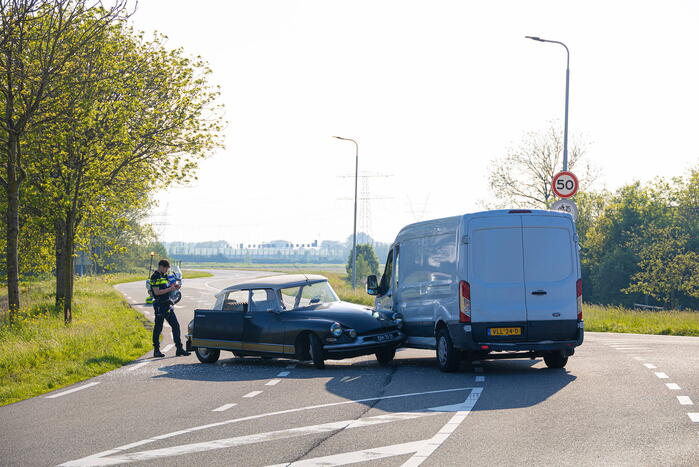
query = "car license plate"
{"x": 384, "y": 337}
{"x": 504, "y": 331}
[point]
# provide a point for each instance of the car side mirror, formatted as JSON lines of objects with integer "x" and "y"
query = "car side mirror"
{"x": 372, "y": 285}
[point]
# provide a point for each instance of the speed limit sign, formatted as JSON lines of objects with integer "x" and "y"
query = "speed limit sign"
{"x": 565, "y": 184}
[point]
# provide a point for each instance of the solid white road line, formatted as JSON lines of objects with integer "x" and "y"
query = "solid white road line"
{"x": 685, "y": 400}
{"x": 693, "y": 416}
{"x": 168, "y": 347}
{"x": 224, "y": 407}
{"x": 99, "y": 458}
{"x": 661, "y": 375}
{"x": 432, "y": 444}
{"x": 252, "y": 394}
{"x": 673, "y": 386}
{"x": 79, "y": 388}
{"x": 358, "y": 456}
{"x": 283, "y": 374}
{"x": 272, "y": 382}
{"x": 649, "y": 365}
{"x": 480, "y": 379}
{"x": 137, "y": 366}
{"x": 256, "y": 438}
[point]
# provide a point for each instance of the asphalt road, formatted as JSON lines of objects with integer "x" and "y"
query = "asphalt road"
{"x": 623, "y": 399}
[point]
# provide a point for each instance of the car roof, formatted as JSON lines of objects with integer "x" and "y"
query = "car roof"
{"x": 275, "y": 282}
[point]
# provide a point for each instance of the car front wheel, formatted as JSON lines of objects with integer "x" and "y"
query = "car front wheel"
{"x": 448, "y": 358}
{"x": 315, "y": 348}
{"x": 385, "y": 356}
{"x": 207, "y": 355}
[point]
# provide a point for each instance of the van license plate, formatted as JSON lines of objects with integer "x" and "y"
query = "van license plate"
{"x": 504, "y": 331}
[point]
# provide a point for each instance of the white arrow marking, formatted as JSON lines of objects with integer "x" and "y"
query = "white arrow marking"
{"x": 102, "y": 459}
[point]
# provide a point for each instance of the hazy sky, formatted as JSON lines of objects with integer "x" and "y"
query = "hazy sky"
{"x": 432, "y": 90}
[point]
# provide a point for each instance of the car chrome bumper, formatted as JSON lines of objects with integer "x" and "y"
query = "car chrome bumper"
{"x": 368, "y": 343}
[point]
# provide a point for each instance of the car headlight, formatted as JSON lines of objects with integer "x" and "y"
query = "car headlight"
{"x": 352, "y": 333}
{"x": 336, "y": 329}
{"x": 376, "y": 314}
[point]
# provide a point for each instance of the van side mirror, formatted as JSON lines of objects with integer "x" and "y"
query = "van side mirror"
{"x": 372, "y": 285}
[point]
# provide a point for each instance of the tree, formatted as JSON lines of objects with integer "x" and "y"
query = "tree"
{"x": 367, "y": 262}
{"x": 39, "y": 43}
{"x": 523, "y": 177}
{"x": 134, "y": 118}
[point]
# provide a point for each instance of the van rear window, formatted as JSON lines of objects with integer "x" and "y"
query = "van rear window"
{"x": 548, "y": 254}
{"x": 497, "y": 255}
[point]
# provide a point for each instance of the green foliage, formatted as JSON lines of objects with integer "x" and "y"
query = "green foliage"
{"x": 367, "y": 262}
{"x": 617, "y": 319}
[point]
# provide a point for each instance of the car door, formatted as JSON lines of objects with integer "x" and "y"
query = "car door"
{"x": 222, "y": 328}
{"x": 550, "y": 273}
{"x": 264, "y": 324}
{"x": 496, "y": 275}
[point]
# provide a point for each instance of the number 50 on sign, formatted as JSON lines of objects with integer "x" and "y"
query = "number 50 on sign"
{"x": 565, "y": 184}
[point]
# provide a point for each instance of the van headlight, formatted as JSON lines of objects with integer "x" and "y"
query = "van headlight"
{"x": 190, "y": 328}
{"x": 336, "y": 329}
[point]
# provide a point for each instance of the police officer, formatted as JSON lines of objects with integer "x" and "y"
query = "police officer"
{"x": 163, "y": 309}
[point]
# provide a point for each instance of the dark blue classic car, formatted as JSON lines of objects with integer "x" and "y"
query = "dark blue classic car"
{"x": 293, "y": 316}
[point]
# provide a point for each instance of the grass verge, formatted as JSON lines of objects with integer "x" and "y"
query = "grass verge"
{"x": 38, "y": 353}
{"x": 616, "y": 319}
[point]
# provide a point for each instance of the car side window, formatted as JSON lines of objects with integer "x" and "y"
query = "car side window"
{"x": 236, "y": 300}
{"x": 262, "y": 300}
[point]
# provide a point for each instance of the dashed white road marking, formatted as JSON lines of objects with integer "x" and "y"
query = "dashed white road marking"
{"x": 224, "y": 407}
{"x": 694, "y": 416}
{"x": 636, "y": 357}
{"x": 673, "y": 386}
{"x": 273, "y": 382}
{"x": 649, "y": 365}
{"x": 137, "y": 366}
{"x": 480, "y": 379}
{"x": 102, "y": 459}
{"x": 283, "y": 374}
{"x": 685, "y": 400}
{"x": 347, "y": 379}
{"x": 69, "y": 391}
{"x": 661, "y": 375}
{"x": 252, "y": 394}
{"x": 168, "y": 347}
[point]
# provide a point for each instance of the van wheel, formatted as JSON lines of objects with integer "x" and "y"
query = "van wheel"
{"x": 448, "y": 358}
{"x": 555, "y": 360}
{"x": 315, "y": 348}
{"x": 207, "y": 355}
{"x": 385, "y": 356}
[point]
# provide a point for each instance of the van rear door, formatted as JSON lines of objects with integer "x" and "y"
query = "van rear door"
{"x": 496, "y": 276}
{"x": 550, "y": 274}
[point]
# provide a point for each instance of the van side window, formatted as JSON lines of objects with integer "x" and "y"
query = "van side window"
{"x": 385, "y": 284}
{"x": 396, "y": 267}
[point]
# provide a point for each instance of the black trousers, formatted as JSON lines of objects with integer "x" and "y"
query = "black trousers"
{"x": 164, "y": 311}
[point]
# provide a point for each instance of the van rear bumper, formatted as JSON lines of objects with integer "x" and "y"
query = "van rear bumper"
{"x": 462, "y": 338}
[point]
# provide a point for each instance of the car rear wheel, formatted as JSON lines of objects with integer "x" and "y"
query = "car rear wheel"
{"x": 385, "y": 356}
{"x": 555, "y": 360}
{"x": 315, "y": 348}
{"x": 207, "y": 355}
{"x": 448, "y": 358}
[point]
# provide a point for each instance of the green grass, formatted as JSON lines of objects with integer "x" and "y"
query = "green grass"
{"x": 38, "y": 353}
{"x": 616, "y": 319}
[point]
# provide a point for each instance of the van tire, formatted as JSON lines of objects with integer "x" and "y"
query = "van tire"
{"x": 315, "y": 348}
{"x": 385, "y": 356}
{"x": 448, "y": 358}
{"x": 555, "y": 360}
{"x": 207, "y": 355}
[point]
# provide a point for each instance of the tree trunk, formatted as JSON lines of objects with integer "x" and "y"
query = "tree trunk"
{"x": 12, "y": 249}
{"x": 60, "y": 263}
{"x": 65, "y": 246}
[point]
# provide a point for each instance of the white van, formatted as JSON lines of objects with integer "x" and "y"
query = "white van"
{"x": 487, "y": 285}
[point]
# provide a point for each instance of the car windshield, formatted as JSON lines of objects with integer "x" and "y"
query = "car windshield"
{"x": 303, "y": 296}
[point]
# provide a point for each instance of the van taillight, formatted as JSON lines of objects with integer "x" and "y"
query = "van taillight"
{"x": 464, "y": 302}
{"x": 578, "y": 291}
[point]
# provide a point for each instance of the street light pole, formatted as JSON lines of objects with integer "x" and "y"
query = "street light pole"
{"x": 565, "y": 124}
{"x": 354, "y": 234}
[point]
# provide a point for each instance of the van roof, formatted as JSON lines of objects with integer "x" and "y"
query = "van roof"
{"x": 447, "y": 224}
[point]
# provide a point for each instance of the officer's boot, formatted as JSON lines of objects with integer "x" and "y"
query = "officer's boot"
{"x": 182, "y": 352}
{"x": 157, "y": 353}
